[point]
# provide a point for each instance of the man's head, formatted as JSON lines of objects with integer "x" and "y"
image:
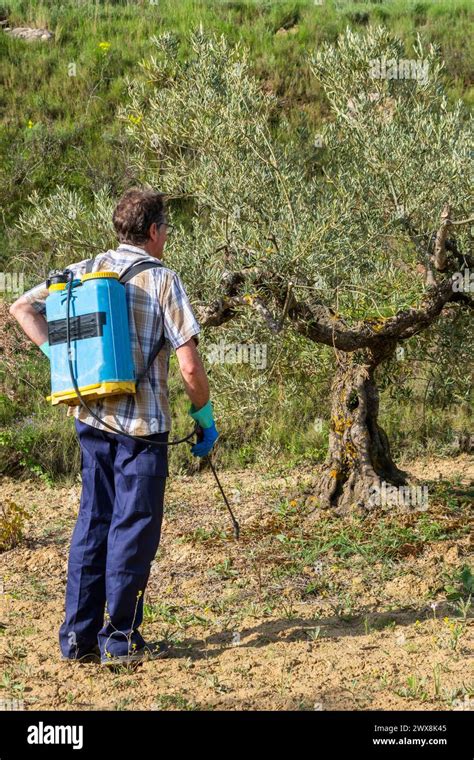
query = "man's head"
{"x": 140, "y": 219}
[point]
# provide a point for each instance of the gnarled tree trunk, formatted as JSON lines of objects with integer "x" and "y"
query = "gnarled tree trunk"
{"x": 359, "y": 458}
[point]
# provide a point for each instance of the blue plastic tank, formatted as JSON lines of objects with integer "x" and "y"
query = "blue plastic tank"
{"x": 100, "y": 339}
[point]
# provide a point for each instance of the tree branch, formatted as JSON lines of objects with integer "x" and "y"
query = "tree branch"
{"x": 439, "y": 257}
{"x": 319, "y": 323}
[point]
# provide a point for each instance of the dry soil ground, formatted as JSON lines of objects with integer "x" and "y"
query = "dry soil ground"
{"x": 347, "y": 613}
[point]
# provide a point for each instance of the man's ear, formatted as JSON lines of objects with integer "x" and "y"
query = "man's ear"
{"x": 153, "y": 231}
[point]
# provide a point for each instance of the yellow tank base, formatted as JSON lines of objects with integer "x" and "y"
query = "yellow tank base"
{"x": 93, "y": 392}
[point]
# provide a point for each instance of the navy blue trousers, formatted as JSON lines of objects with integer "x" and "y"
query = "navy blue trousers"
{"x": 114, "y": 541}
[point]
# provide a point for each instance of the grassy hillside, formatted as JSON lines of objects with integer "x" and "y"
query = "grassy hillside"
{"x": 60, "y": 128}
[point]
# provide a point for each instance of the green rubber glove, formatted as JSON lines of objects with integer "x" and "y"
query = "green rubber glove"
{"x": 206, "y": 431}
{"x": 45, "y": 349}
{"x": 202, "y": 416}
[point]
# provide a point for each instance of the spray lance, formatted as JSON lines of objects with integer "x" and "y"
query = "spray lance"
{"x": 197, "y": 429}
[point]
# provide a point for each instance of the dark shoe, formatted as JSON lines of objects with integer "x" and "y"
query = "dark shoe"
{"x": 92, "y": 656}
{"x": 157, "y": 651}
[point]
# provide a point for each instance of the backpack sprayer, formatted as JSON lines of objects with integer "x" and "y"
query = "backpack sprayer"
{"x": 91, "y": 348}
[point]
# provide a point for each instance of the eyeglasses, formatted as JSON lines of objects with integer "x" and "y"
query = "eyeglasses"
{"x": 169, "y": 227}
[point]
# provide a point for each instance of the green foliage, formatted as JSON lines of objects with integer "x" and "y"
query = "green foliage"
{"x": 459, "y": 584}
{"x": 467, "y": 579}
{"x": 44, "y": 446}
{"x": 398, "y": 153}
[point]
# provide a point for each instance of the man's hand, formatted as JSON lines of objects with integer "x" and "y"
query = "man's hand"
{"x": 206, "y": 438}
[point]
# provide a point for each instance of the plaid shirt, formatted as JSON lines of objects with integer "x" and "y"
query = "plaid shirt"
{"x": 156, "y": 301}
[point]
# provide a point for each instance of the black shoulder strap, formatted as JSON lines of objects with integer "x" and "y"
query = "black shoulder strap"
{"x": 136, "y": 268}
{"x": 132, "y": 271}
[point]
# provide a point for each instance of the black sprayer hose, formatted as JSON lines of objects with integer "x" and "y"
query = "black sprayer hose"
{"x": 197, "y": 430}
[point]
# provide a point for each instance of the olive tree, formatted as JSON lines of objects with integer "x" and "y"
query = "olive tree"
{"x": 350, "y": 239}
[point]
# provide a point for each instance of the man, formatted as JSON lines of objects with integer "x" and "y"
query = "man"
{"x": 123, "y": 480}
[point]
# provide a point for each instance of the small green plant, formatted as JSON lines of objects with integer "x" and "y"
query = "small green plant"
{"x": 173, "y": 702}
{"x": 314, "y": 588}
{"x": 287, "y": 609}
{"x": 467, "y": 580}
{"x": 202, "y": 535}
{"x": 456, "y": 632}
{"x": 123, "y": 704}
{"x": 223, "y": 570}
{"x": 37, "y": 470}
{"x": 450, "y": 634}
{"x": 343, "y": 607}
{"x": 12, "y": 688}
{"x": 313, "y": 633}
{"x": 287, "y": 508}
{"x": 415, "y": 689}
{"x": 459, "y": 584}
{"x": 463, "y": 606}
{"x": 150, "y": 613}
